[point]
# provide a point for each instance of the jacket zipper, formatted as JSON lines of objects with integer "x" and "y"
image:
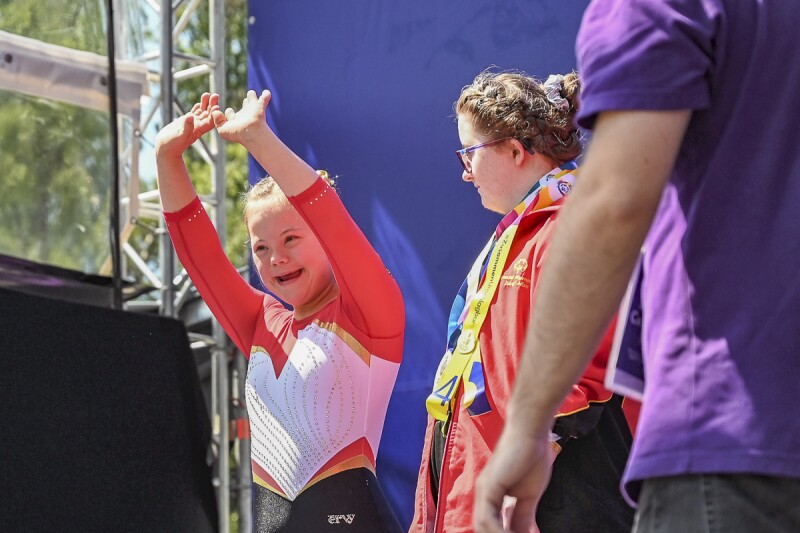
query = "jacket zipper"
{"x": 445, "y": 460}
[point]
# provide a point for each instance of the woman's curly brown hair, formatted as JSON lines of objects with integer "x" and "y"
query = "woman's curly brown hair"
{"x": 513, "y": 104}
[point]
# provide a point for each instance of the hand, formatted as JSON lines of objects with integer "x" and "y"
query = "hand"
{"x": 181, "y": 133}
{"x": 507, "y": 511}
{"x": 520, "y": 467}
{"x": 246, "y": 124}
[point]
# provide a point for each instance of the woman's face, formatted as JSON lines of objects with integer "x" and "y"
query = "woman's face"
{"x": 492, "y": 170}
{"x": 288, "y": 256}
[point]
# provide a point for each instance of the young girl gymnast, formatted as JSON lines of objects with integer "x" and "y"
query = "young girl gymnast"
{"x": 320, "y": 375}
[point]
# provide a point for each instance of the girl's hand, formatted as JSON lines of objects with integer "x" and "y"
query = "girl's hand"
{"x": 181, "y": 133}
{"x": 246, "y": 124}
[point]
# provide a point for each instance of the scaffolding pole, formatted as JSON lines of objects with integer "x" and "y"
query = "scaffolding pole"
{"x": 213, "y": 153}
{"x": 77, "y": 78}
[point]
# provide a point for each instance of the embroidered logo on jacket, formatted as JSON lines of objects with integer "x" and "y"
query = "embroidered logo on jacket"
{"x": 517, "y": 279}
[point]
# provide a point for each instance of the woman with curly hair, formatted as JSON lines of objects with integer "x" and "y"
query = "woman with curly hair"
{"x": 519, "y": 151}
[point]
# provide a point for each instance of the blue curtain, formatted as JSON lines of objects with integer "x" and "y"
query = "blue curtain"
{"x": 366, "y": 91}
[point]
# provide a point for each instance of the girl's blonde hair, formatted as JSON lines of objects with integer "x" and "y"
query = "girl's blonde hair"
{"x": 267, "y": 188}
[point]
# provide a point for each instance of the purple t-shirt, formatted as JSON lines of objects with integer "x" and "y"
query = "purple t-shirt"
{"x": 721, "y": 291}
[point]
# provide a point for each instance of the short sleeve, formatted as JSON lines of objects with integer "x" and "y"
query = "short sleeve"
{"x": 645, "y": 55}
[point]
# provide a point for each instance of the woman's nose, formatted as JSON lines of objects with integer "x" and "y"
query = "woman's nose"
{"x": 466, "y": 176}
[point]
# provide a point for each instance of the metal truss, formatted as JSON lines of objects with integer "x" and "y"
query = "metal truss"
{"x": 82, "y": 78}
{"x": 175, "y": 288}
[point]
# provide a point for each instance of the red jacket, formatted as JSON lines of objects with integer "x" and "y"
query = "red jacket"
{"x": 470, "y": 440}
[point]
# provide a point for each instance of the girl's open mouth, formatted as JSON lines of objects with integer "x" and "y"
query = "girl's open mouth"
{"x": 290, "y": 276}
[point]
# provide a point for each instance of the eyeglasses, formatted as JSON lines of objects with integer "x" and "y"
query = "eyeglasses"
{"x": 466, "y": 159}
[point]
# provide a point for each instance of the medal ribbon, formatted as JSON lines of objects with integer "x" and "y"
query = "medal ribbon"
{"x": 462, "y": 359}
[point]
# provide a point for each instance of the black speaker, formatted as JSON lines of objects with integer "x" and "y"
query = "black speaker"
{"x": 103, "y": 423}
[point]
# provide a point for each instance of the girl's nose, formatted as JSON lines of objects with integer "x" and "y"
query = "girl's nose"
{"x": 277, "y": 258}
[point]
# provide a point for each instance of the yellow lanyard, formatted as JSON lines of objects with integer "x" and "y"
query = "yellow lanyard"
{"x": 457, "y": 365}
{"x": 468, "y": 348}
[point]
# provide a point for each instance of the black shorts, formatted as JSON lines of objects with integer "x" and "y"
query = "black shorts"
{"x": 348, "y": 502}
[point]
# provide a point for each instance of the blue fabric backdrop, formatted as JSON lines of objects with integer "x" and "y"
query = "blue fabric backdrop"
{"x": 366, "y": 91}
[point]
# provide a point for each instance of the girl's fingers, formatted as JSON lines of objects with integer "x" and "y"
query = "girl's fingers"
{"x": 188, "y": 124}
{"x": 218, "y": 117}
{"x": 195, "y": 108}
{"x": 265, "y": 97}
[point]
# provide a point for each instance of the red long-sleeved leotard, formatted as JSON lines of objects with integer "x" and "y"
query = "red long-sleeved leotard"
{"x": 317, "y": 388}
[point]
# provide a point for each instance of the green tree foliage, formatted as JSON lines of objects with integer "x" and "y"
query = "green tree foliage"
{"x": 55, "y": 158}
{"x": 77, "y": 24}
{"x": 54, "y": 205}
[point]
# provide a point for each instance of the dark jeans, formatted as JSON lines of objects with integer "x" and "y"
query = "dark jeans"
{"x": 724, "y": 503}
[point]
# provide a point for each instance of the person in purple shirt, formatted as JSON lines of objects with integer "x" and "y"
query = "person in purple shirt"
{"x": 694, "y": 107}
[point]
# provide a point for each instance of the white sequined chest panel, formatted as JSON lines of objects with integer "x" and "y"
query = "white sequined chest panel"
{"x": 315, "y": 408}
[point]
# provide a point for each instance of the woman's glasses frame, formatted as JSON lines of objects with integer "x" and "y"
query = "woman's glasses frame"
{"x": 463, "y": 154}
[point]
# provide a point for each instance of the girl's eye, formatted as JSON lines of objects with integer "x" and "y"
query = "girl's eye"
{"x": 290, "y": 238}
{"x": 259, "y": 248}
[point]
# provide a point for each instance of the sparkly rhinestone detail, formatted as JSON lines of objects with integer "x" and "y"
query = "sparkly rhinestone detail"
{"x": 194, "y": 215}
{"x": 320, "y": 195}
{"x": 315, "y": 408}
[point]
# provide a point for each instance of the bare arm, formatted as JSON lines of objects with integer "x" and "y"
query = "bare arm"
{"x": 358, "y": 269}
{"x": 235, "y": 304}
{"x": 593, "y": 253}
{"x": 174, "y": 184}
{"x": 591, "y": 257}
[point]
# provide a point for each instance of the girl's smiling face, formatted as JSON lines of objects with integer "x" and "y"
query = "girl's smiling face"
{"x": 288, "y": 256}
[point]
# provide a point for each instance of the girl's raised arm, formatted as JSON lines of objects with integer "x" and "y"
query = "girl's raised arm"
{"x": 235, "y": 304}
{"x": 174, "y": 184}
{"x": 249, "y": 128}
